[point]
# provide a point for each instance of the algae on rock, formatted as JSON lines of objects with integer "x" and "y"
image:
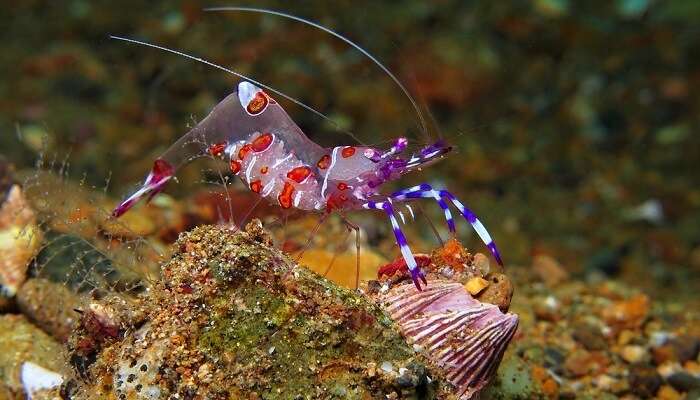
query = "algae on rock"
{"x": 234, "y": 318}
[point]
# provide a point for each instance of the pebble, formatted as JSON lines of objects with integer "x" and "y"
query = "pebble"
{"x": 644, "y": 381}
{"x": 628, "y": 314}
{"x": 49, "y": 305}
{"x": 589, "y": 336}
{"x": 20, "y": 342}
{"x": 684, "y": 381}
{"x": 634, "y": 354}
{"x": 499, "y": 291}
{"x": 476, "y": 285}
{"x": 668, "y": 393}
{"x": 581, "y": 363}
{"x": 549, "y": 270}
{"x": 685, "y": 348}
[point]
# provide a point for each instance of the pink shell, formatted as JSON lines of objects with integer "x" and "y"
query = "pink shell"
{"x": 464, "y": 337}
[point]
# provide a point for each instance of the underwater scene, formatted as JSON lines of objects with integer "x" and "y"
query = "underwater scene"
{"x": 350, "y": 200}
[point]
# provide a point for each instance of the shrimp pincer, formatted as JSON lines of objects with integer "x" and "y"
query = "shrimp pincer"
{"x": 273, "y": 157}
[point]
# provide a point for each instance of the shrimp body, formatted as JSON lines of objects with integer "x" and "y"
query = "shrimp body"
{"x": 275, "y": 159}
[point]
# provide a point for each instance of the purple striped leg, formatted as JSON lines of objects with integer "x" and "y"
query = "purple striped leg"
{"x": 416, "y": 273}
{"x": 426, "y": 191}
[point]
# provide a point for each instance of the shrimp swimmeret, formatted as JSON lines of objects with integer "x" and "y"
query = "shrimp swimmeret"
{"x": 275, "y": 159}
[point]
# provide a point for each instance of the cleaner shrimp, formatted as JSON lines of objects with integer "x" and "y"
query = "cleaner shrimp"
{"x": 275, "y": 159}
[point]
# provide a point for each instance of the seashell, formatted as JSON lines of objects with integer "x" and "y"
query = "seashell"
{"x": 20, "y": 239}
{"x": 463, "y": 337}
{"x": 36, "y": 378}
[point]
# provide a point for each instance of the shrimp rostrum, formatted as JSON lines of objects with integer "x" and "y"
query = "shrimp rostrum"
{"x": 273, "y": 157}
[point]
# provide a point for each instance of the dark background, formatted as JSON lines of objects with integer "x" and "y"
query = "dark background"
{"x": 576, "y": 123}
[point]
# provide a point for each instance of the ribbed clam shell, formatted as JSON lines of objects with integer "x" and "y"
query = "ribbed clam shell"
{"x": 464, "y": 337}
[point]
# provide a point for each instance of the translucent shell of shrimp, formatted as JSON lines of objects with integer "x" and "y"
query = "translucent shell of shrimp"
{"x": 275, "y": 159}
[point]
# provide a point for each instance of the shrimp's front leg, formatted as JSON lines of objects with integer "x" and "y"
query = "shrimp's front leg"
{"x": 416, "y": 273}
{"x": 426, "y": 191}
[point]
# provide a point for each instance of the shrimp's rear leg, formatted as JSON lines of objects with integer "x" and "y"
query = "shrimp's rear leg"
{"x": 416, "y": 273}
{"x": 356, "y": 228}
{"x": 426, "y": 191}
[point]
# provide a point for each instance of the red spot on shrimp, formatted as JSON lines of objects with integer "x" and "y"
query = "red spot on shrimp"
{"x": 263, "y": 170}
{"x": 258, "y": 103}
{"x": 299, "y": 174}
{"x": 348, "y": 151}
{"x": 262, "y": 142}
{"x": 324, "y": 162}
{"x": 285, "y": 197}
{"x": 217, "y": 149}
{"x": 342, "y": 186}
{"x": 235, "y": 166}
{"x": 256, "y": 186}
{"x": 247, "y": 148}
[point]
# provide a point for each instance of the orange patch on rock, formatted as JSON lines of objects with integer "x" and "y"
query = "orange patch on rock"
{"x": 264, "y": 170}
{"x": 629, "y": 313}
{"x": 454, "y": 255}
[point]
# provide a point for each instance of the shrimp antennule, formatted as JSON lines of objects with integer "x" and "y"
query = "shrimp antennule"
{"x": 232, "y": 72}
{"x": 359, "y": 48}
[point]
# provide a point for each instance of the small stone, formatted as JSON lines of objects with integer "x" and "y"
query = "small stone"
{"x": 684, "y": 382}
{"x": 633, "y": 354}
{"x": 668, "y": 368}
{"x": 693, "y": 395}
{"x": 663, "y": 354}
{"x": 475, "y": 285}
{"x": 625, "y": 337}
{"x": 668, "y": 393}
{"x": 549, "y": 270}
{"x": 482, "y": 264}
{"x": 644, "y": 381}
{"x": 628, "y": 314}
{"x": 499, "y": 291}
{"x": 589, "y": 336}
{"x": 553, "y": 359}
{"x": 547, "y": 309}
{"x": 581, "y": 363}
{"x": 685, "y": 347}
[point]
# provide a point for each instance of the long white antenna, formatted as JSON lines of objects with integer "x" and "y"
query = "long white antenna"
{"x": 258, "y": 83}
{"x": 339, "y": 36}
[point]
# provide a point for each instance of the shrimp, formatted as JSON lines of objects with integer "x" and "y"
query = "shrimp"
{"x": 275, "y": 159}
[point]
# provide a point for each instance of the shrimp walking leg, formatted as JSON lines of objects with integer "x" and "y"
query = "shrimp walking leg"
{"x": 356, "y": 228}
{"x": 386, "y": 206}
{"x": 427, "y": 191}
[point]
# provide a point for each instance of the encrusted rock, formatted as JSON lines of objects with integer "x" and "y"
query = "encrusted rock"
{"x": 232, "y": 317}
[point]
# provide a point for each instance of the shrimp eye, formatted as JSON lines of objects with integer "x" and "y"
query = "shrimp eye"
{"x": 257, "y": 104}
